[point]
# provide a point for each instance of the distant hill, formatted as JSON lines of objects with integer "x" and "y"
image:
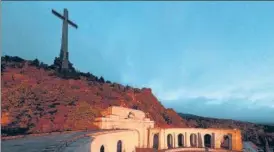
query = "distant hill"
{"x": 250, "y": 131}
{"x": 268, "y": 124}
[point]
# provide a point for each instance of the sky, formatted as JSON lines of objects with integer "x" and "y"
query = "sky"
{"x": 213, "y": 59}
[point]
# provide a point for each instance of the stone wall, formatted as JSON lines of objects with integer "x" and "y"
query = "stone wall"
{"x": 216, "y": 137}
{"x": 123, "y": 112}
{"x": 109, "y": 140}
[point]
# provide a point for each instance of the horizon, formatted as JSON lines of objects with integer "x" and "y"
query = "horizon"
{"x": 199, "y": 58}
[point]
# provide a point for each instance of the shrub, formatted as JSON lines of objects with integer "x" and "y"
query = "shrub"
{"x": 53, "y": 111}
{"x": 72, "y": 103}
{"x": 35, "y": 62}
{"x": 12, "y": 59}
{"x": 53, "y": 105}
{"x": 44, "y": 66}
{"x": 3, "y": 67}
{"x": 102, "y": 80}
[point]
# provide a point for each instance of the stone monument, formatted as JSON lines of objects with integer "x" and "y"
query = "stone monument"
{"x": 64, "y": 46}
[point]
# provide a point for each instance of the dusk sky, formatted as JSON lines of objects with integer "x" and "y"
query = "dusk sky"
{"x": 211, "y": 59}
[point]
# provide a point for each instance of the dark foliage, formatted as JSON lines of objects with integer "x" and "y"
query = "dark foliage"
{"x": 35, "y": 62}
{"x": 71, "y": 73}
{"x": 101, "y": 79}
{"x": 12, "y": 59}
{"x": 166, "y": 117}
{"x": 135, "y": 107}
{"x": 269, "y": 128}
{"x": 44, "y": 66}
{"x": 14, "y": 131}
{"x": 3, "y": 67}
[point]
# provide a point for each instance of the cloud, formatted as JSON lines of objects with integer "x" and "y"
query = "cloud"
{"x": 249, "y": 92}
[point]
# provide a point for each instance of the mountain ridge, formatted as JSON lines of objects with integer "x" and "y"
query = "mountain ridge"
{"x": 189, "y": 115}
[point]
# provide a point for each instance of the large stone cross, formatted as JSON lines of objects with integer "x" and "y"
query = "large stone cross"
{"x": 64, "y": 45}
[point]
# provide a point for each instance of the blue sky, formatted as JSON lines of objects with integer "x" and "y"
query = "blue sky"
{"x": 206, "y": 58}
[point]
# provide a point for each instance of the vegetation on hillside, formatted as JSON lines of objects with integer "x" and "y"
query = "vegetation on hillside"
{"x": 37, "y": 98}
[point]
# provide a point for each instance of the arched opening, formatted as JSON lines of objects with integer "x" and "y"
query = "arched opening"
{"x": 207, "y": 141}
{"x": 226, "y": 142}
{"x": 169, "y": 141}
{"x": 156, "y": 141}
{"x": 193, "y": 140}
{"x": 180, "y": 140}
{"x": 102, "y": 149}
{"x": 119, "y": 146}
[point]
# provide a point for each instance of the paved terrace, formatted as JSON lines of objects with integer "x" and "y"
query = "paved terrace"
{"x": 71, "y": 142}
{"x": 55, "y": 142}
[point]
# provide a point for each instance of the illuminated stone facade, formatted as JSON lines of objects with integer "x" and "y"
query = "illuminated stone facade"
{"x": 128, "y": 129}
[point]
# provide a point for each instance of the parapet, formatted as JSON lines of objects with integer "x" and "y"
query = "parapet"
{"x": 124, "y": 113}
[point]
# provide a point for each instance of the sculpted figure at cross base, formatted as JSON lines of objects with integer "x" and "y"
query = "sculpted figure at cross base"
{"x": 131, "y": 115}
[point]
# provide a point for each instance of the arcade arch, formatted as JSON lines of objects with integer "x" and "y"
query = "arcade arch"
{"x": 156, "y": 141}
{"x": 226, "y": 142}
{"x": 102, "y": 149}
{"x": 169, "y": 141}
{"x": 208, "y": 141}
{"x": 193, "y": 140}
{"x": 119, "y": 146}
{"x": 180, "y": 140}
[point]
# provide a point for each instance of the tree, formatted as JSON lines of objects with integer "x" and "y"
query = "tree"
{"x": 43, "y": 65}
{"x": 35, "y": 62}
{"x": 3, "y": 67}
{"x": 102, "y": 79}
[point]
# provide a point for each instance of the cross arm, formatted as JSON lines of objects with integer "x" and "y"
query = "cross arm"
{"x": 72, "y": 24}
{"x": 63, "y": 18}
{"x": 57, "y": 14}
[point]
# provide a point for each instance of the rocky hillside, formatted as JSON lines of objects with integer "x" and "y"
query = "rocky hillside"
{"x": 252, "y": 132}
{"x": 36, "y": 98}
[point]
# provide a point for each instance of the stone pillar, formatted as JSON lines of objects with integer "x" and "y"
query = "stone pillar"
{"x": 217, "y": 140}
{"x": 175, "y": 141}
{"x": 150, "y": 139}
{"x": 232, "y": 143}
{"x": 236, "y": 141}
{"x": 146, "y": 135}
{"x": 162, "y": 139}
{"x": 187, "y": 143}
{"x": 142, "y": 137}
{"x": 239, "y": 144}
{"x": 213, "y": 140}
{"x": 200, "y": 140}
{"x": 197, "y": 139}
